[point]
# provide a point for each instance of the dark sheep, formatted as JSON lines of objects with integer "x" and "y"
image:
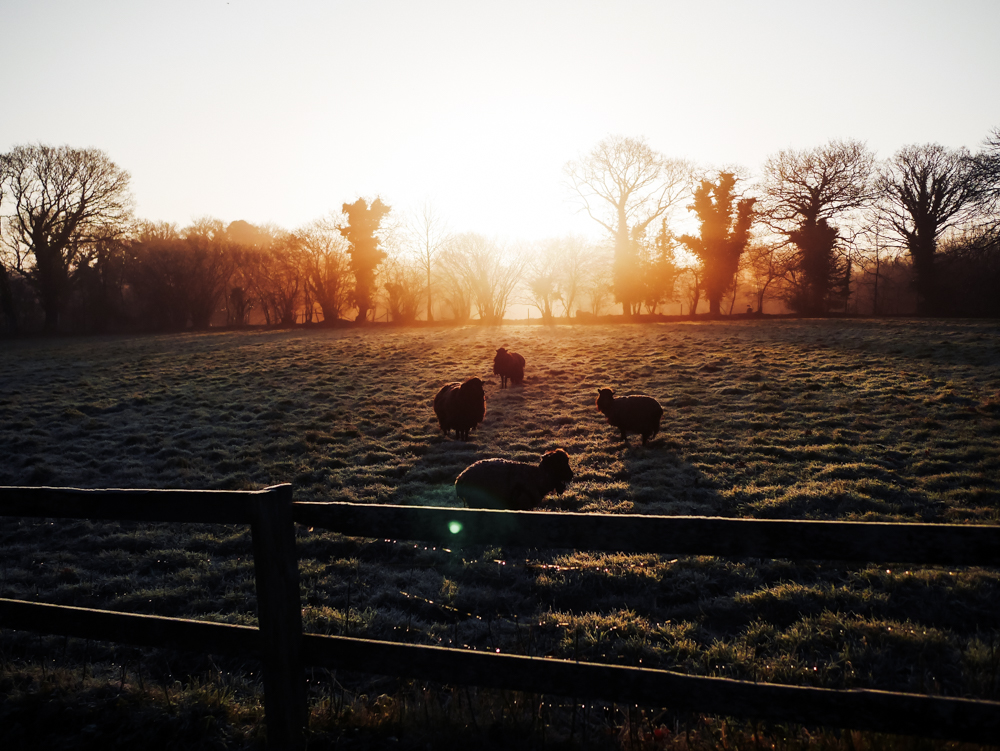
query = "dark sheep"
{"x": 508, "y": 365}
{"x": 460, "y": 407}
{"x": 513, "y": 486}
{"x": 631, "y": 414}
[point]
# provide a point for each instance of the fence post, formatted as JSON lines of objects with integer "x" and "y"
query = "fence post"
{"x": 279, "y": 611}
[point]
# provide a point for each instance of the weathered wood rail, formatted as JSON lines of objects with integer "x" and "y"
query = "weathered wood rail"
{"x": 284, "y": 650}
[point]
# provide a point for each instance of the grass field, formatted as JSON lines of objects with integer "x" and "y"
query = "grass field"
{"x": 819, "y": 419}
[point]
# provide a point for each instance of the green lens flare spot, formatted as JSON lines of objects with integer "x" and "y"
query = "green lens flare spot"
{"x": 454, "y": 527}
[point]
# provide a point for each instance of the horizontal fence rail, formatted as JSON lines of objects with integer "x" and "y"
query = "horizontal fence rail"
{"x": 861, "y": 709}
{"x": 283, "y": 648}
{"x": 131, "y": 628}
{"x": 946, "y": 544}
{"x": 193, "y": 506}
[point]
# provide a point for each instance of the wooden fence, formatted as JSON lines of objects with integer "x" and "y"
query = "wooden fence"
{"x": 284, "y": 651}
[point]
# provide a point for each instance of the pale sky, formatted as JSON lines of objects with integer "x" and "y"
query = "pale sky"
{"x": 281, "y": 112}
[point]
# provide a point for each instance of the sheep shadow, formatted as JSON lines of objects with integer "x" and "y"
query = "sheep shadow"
{"x": 662, "y": 482}
{"x": 431, "y": 480}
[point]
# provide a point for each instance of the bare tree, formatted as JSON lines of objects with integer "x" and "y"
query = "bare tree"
{"x": 598, "y": 283}
{"x": 179, "y": 278}
{"x": 7, "y": 306}
{"x": 488, "y": 271}
{"x": 542, "y": 274}
{"x": 988, "y": 174}
{"x": 273, "y": 266}
{"x": 804, "y": 191}
{"x": 877, "y": 257}
{"x": 624, "y": 186}
{"x": 326, "y": 266}
{"x": 691, "y": 286}
{"x": 63, "y": 198}
{"x": 576, "y": 255}
{"x": 928, "y": 190}
{"x": 764, "y": 269}
{"x": 427, "y": 233}
{"x": 402, "y": 281}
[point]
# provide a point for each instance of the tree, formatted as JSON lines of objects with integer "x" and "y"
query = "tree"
{"x": 158, "y": 276}
{"x": 271, "y": 264}
{"x": 764, "y": 268}
{"x": 926, "y": 191}
{"x": 725, "y": 233}
{"x": 690, "y": 277}
{"x": 660, "y": 269}
{"x": 63, "y": 198}
{"x": 804, "y": 191}
{"x": 598, "y": 284}
{"x": 403, "y": 287}
{"x": 988, "y": 173}
{"x": 488, "y": 273}
{"x": 366, "y": 251}
{"x": 102, "y": 275}
{"x": 576, "y": 256}
{"x": 428, "y": 234}
{"x": 624, "y": 186}
{"x": 179, "y": 278}
{"x": 542, "y": 273}
{"x": 7, "y": 306}
{"x": 326, "y": 266}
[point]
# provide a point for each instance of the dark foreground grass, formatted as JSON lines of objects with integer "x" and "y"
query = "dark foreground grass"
{"x": 888, "y": 420}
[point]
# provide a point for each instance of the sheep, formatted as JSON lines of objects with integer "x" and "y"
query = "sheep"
{"x": 513, "y": 486}
{"x": 460, "y": 406}
{"x": 508, "y": 365}
{"x": 631, "y": 414}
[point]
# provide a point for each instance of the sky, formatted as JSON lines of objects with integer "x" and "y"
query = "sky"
{"x": 281, "y": 112}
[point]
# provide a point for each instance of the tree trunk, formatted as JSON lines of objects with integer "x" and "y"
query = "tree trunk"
{"x": 922, "y": 253}
{"x": 7, "y": 301}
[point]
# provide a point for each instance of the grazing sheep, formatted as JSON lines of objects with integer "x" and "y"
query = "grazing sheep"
{"x": 460, "y": 406}
{"x": 508, "y": 365}
{"x": 514, "y": 486}
{"x": 631, "y": 414}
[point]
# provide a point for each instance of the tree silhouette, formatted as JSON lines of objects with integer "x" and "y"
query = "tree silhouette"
{"x": 624, "y": 186}
{"x": 803, "y": 192}
{"x": 988, "y": 174}
{"x": 63, "y": 198}
{"x": 365, "y": 249}
{"x": 326, "y": 266}
{"x": 725, "y": 232}
{"x": 428, "y": 235}
{"x": 487, "y": 273}
{"x": 928, "y": 190}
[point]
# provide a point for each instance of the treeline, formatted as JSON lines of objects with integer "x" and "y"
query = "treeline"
{"x": 828, "y": 230}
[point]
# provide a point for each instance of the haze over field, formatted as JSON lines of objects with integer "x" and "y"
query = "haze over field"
{"x": 243, "y": 110}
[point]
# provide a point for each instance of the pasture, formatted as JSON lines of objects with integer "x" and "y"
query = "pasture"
{"x": 890, "y": 420}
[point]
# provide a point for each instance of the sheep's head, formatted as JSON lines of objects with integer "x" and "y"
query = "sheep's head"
{"x": 605, "y": 398}
{"x": 472, "y": 387}
{"x": 501, "y": 357}
{"x": 555, "y": 464}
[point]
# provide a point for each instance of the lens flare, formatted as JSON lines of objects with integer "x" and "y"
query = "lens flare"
{"x": 454, "y": 527}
